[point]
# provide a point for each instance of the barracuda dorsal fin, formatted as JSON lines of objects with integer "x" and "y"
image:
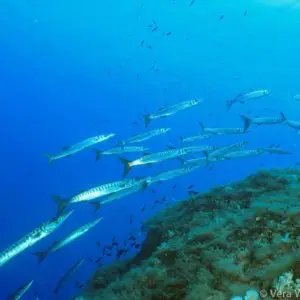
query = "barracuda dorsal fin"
{"x": 170, "y": 147}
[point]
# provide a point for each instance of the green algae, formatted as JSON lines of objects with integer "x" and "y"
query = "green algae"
{"x": 214, "y": 245}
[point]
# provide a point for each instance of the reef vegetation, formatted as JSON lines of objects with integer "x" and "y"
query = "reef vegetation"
{"x": 214, "y": 246}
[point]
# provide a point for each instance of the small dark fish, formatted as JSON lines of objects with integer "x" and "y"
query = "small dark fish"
{"x": 120, "y": 252}
{"x": 132, "y": 244}
{"x": 108, "y": 254}
{"x": 90, "y": 259}
{"x": 168, "y": 33}
{"x": 131, "y": 220}
{"x": 190, "y": 186}
{"x": 153, "y": 191}
{"x": 142, "y": 43}
{"x": 245, "y": 13}
{"x": 137, "y": 75}
{"x": 174, "y": 186}
{"x": 192, "y": 193}
{"x": 154, "y": 28}
{"x": 149, "y": 47}
{"x": 221, "y": 17}
{"x": 98, "y": 244}
{"x": 137, "y": 246}
{"x": 143, "y": 208}
{"x": 132, "y": 238}
{"x": 192, "y": 2}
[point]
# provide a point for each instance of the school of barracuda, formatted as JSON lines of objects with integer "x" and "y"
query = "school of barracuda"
{"x": 104, "y": 193}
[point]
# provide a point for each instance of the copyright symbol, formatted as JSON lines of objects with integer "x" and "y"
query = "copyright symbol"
{"x": 263, "y": 293}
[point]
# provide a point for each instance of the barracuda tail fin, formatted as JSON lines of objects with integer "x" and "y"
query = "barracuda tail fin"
{"x": 147, "y": 119}
{"x": 50, "y": 159}
{"x": 126, "y": 164}
{"x": 41, "y": 255}
{"x": 202, "y": 126}
{"x": 96, "y": 205}
{"x": 229, "y": 103}
{"x": 61, "y": 204}
{"x": 98, "y": 154}
{"x": 121, "y": 143}
{"x": 247, "y": 122}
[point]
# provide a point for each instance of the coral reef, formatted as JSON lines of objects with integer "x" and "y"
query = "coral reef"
{"x": 228, "y": 243}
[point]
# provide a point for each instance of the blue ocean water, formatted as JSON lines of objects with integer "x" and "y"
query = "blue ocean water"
{"x": 74, "y": 69}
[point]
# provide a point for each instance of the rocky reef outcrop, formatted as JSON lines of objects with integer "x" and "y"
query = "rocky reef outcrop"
{"x": 214, "y": 245}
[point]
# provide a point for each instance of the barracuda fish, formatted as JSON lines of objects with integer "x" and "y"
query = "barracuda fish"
{"x": 194, "y": 138}
{"x": 264, "y": 120}
{"x": 164, "y": 176}
{"x": 225, "y": 131}
{"x": 293, "y": 124}
{"x": 33, "y": 237}
{"x": 62, "y": 281}
{"x": 243, "y": 98}
{"x": 152, "y": 158}
{"x": 120, "y": 150}
{"x": 123, "y": 193}
{"x": 297, "y": 97}
{"x": 74, "y": 235}
{"x": 172, "y": 153}
{"x": 276, "y": 150}
{"x": 96, "y": 192}
{"x": 145, "y": 136}
{"x": 201, "y": 161}
{"x": 19, "y": 293}
{"x": 219, "y": 153}
{"x": 204, "y": 148}
{"x": 87, "y": 143}
{"x": 170, "y": 110}
{"x": 243, "y": 153}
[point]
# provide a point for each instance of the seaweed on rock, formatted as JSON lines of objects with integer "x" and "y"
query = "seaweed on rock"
{"x": 214, "y": 245}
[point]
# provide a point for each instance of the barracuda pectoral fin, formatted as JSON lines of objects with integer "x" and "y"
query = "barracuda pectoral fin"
{"x": 170, "y": 147}
{"x": 61, "y": 204}
{"x": 96, "y": 205}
